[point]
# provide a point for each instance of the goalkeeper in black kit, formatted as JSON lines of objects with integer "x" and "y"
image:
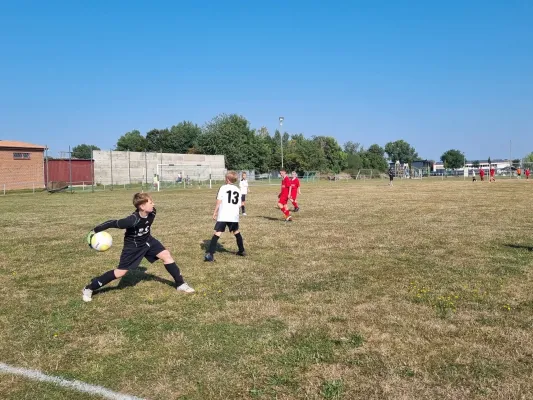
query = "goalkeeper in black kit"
{"x": 138, "y": 244}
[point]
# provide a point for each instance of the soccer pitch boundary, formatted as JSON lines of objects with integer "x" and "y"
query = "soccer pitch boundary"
{"x": 70, "y": 384}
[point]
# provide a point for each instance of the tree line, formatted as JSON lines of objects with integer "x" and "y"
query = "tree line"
{"x": 245, "y": 148}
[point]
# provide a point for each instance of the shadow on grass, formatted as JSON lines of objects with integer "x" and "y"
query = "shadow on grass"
{"x": 219, "y": 249}
{"x": 132, "y": 278}
{"x": 269, "y": 218}
{"x": 519, "y": 246}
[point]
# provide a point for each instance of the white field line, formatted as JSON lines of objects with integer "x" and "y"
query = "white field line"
{"x": 74, "y": 385}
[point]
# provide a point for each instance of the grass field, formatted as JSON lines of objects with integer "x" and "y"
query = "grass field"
{"x": 420, "y": 291}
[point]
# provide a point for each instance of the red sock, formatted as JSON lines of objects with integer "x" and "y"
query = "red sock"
{"x": 285, "y": 211}
{"x": 295, "y": 204}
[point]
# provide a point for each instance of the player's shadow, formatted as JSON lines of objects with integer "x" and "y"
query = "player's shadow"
{"x": 219, "y": 249}
{"x": 519, "y": 246}
{"x": 133, "y": 277}
{"x": 269, "y": 218}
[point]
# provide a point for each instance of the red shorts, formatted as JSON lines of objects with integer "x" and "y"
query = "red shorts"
{"x": 283, "y": 199}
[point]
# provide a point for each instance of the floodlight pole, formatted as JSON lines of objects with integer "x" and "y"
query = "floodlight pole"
{"x": 70, "y": 167}
{"x": 281, "y": 119}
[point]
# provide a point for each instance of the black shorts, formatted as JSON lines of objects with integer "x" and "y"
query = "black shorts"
{"x": 391, "y": 177}
{"x": 243, "y": 198}
{"x": 221, "y": 226}
{"x": 131, "y": 256}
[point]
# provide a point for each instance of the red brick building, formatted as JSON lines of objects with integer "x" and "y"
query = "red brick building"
{"x": 21, "y": 165}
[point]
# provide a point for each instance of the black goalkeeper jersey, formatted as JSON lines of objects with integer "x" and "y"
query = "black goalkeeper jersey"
{"x": 137, "y": 228}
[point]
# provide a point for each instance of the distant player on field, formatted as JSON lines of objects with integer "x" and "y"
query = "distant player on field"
{"x": 295, "y": 190}
{"x": 492, "y": 173}
{"x": 138, "y": 244}
{"x": 283, "y": 196}
{"x": 391, "y": 176}
{"x": 227, "y": 215}
{"x": 243, "y": 185}
{"x": 482, "y": 174}
{"x": 527, "y": 172}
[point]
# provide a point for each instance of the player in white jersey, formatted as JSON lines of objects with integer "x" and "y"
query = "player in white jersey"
{"x": 227, "y": 215}
{"x": 243, "y": 184}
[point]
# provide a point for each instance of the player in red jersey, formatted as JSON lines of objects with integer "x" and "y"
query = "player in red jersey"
{"x": 295, "y": 190}
{"x": 284, "y": 195}
{"x": 527, "y": 172}
{"x": 492, "y": 173}
{"x": 482, "y": 174}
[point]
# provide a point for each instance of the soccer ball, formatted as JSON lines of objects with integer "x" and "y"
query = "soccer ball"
{"x": 101, "y": 241}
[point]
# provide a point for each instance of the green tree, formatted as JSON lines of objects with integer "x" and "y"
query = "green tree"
{"x": 132, "y": 141}
{"x": 401, "y": 151}
{"x": 374, "y": 158}
{"x": 529, "y": 158}
{"x": 516, "y": 162}
{"x": 158, "y": 140}
{"x": 352, "y": 147}
{"x": 475, "y": 163}
{"x": 231, "y": 136}
{"x": 303, "y": 155}
{"x": 453, "y": 159}
{"x": 84, "y": 151}
{"x": 335, "y": 158}
{"x": 179, "y": 138}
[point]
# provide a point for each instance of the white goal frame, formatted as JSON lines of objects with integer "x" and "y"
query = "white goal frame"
{"x": 185, "y": 170}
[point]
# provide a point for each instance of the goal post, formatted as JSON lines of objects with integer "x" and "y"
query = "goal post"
{"x": 364, "y": 174}
{"x": 183, "y": 174}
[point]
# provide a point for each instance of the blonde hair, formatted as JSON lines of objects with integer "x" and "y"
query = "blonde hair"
{"x": 232, "y": 176}
{"x": 141, "y": 198}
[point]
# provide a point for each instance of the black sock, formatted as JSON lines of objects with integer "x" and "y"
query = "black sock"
{"x": 213, "y": 244}
{"x": 238, "y": 237}
{"x": 102, "y": 280}
{"x": 175, "y": 272}
{"x": 242, "y": 207}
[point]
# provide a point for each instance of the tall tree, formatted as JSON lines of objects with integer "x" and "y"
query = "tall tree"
{"x": 158, "y": 140}
{"x": 132, "y": 141}
{"x": 231, "y": 136}
{"x": 374, "y": 158}
{"x": 335, "y": 158}
{"x": 401, "y": 151}
{"x": 529, "y": 158}
{"x": 352, "y": 147}
{"x": 303, "y": 155}
{"x": 84, "y": 151}
{"x": 453, "y": 159}
{"x": 184, "y": 136}
{"x": 475, "y": 163}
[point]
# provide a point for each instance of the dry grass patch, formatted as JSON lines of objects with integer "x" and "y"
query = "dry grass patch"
{"x": 421, "y": 290}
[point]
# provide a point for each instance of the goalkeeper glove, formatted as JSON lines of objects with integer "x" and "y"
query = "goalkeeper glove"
{"x": 89, "y": 238}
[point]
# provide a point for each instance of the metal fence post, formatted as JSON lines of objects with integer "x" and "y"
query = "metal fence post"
{"x": 111, "y": 160}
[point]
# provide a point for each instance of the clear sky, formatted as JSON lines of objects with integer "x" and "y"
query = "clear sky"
{"x": 440, "y": 75}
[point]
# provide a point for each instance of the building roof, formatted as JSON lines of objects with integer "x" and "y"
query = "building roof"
{"x": 14, "y": 144}
{"x": 495, "y": 161}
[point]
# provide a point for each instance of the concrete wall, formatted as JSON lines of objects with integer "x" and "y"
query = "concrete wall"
{"x": 123, "y": 167}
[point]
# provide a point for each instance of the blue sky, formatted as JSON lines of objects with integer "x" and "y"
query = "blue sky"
{"x": 440, "y": 75}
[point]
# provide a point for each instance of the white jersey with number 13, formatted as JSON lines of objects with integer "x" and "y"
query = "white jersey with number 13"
{"x": 230, "y": 195}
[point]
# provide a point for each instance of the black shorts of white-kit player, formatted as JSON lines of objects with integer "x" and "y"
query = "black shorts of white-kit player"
{"x": 132, "y": 256}
{"x": 243, "y": 198}
{"x": 220, "y": 226}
